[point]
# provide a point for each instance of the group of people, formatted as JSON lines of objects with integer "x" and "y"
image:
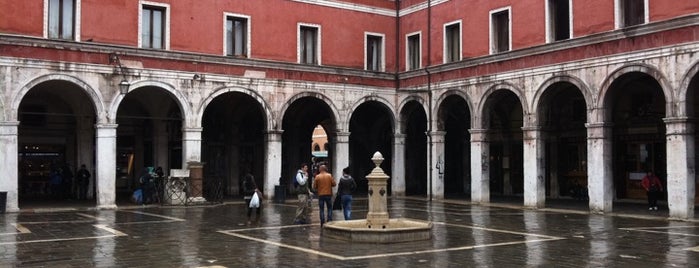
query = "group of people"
{"x": 321, "y": 184}
{"x": 61, "y": 182}
{"x": 149, "y": 190}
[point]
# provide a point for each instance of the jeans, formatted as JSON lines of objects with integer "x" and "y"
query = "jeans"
{"x": 347, "y": 206}
{"x": 322, "y": 201}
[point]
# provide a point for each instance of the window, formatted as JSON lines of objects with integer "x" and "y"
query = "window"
{"x": 631, "y": 12}
{"x": 309, "y": 44}
{"x": 413, "y": 52}
{"x": 237, "y": 32}
{"x": 61, "y": 19}
{"x": 452, "y": 42}
{"x": 153, "y": 27}
{"x": 500, "y": 30}
{"x": 558, "y": 19}
{"x": 374, "y": 52}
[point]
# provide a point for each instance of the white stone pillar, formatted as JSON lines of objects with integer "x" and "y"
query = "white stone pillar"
{"x": 681, "y": 186}
{"x": 341, "y": 155}
{"x": 534, "y": 168}
{"x": 398, "y": 176}
{"x": 437, "y": 161}
{"x": 480, "y": 166}
{"x": 105, "y": 178}
{"x": 9, "y": 164}
{"x": 599, "y": 167}
{"x": 273, "y": 161}
{"x": 191, "y": 145}
{"x": 161, "y": 146}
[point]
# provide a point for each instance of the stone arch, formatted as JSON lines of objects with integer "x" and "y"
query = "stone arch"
{"x": 316, "y": 95}
{"x": 94, "y": 95}
{"x": 683, "y": 97}
{"x": 603, "y": 97}
{"x": 399, "y": 123}
{"x": 180, "y": 99}
{"x": 444, "y": 96}
{"x": 482, "y": 119}
{"x": 271, "y": 121}
{"x": 544, "y": 88}
{"x": 375, "y": 98}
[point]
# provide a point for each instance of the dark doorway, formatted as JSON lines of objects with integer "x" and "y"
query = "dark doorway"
{"x": 371, "y": 130}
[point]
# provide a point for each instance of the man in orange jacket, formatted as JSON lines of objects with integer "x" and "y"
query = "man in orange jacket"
{"x": 323, "y": 184}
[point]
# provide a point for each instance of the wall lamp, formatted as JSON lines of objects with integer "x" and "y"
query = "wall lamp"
{"x": 124, "y": 84}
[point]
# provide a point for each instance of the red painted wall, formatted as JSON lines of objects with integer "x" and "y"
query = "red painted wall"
{"x": 22, "y": 17}
{"x": 663, "y": 10}
{"x": 592, "y": 16}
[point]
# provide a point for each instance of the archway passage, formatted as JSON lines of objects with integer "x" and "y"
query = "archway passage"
{"x": 455, "y": 120}
{"x": 562, "y": 115}
{"x": 149, "y": 135}
{"x": 56, "y": 136}
{"x": 299, "y": 122}
{"x": 233, "y": 143}
{"x": 505, "y": 119}
{"x": 638, "y": 109}
{"x": 692, "y": 112}
{"x": 415, "y": 127}
{"x": 371, "y": 130}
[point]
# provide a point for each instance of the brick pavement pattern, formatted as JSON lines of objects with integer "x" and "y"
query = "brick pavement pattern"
{"x": 464, "y": 235}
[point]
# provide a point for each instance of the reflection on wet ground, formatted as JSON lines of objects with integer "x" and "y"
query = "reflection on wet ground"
{"x": 464, "y": 235}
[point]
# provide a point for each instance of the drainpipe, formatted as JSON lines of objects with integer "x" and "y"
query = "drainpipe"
{"x": 397, "y": 70}
{"x": 429, "y": 91}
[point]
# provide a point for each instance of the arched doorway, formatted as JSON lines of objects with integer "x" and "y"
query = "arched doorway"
{"x": 414, "y": 123}
{"x": 299, "y": 122}
{"x": 56, "y": 136}
{"x": 455, "y": 120}
{"x": 504, "y": 118}
{"x": 371, "y": 130}
{"x": 233, "y": 141}
{"x": 692, "y": 113}
{"x": 637, "y": 104}
{"x": 562, "y": 115}
{"x": 149, "y": 135}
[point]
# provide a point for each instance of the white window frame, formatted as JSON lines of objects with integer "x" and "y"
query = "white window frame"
{"x": 248, "y": 33}
{"x": 382, "y": 64}
{"x": 444, "y": 40}
{"x": 78, "y": 18}
{"x": 619, "y": 14}
{"x": 298, "y": 41}
{"x": 549, "y": 20}
{"x": 142, "y": 3}
{"x": 407, "y": 50}
{"x": 492, "y": 31}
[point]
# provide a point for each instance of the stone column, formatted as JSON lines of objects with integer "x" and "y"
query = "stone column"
{"x": 341, "y": 154}
{"x": 599, "y": 167}
{"x": 9, "y": 164}
{"x": 105, "y": 178}
{"x": 681, "y": 186}
{"x": 273, "y": 161}
{"x": 480, "y": 166}
{"x": 191, "y": 145}
{"x": 534, "y": 168}
{"x": 398, "y": 181}
{"x": 437, "y": 161}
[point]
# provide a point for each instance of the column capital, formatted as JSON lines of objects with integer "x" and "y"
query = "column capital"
{"x": 9, "y": 123}
{"x": 273, "y": 135}
{"x": 479, "y": 135}
{"x": 532, "y": 132}
{"x": 437, "y": 133}
{"x": 192, "y": 129}
{"x": 599, "y": 125}
{"x": 106, "y": 126}
{"x": 599, "y": 130}
{"x": 9, "y": 128}
{"x": 678, "y": 126}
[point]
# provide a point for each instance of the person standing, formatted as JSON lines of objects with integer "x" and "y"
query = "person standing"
{"x": 83, "y": 181}
{"x": 345, "y": 190}
{"x": 249, "y": 189}
{"x": 323, "y": 184}
{"x": 653, "y": 187}
{"x": 303, "y": 192}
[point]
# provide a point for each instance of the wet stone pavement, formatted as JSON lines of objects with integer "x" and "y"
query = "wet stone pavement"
{"x": 464, "y": 235}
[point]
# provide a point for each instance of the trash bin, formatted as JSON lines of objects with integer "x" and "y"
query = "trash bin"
{"x": 279, "y": 194}
{"x": 3, "y": 202}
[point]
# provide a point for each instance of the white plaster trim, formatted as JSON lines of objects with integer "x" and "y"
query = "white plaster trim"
{"x": 419, "y": 7}
{"x": 226, "y": 15}
{"x": 407, "y": 50}
{"x": 547, "y": 10}
{"x": 492, "y": 30}
{"x": 77, "y": 18}
{"x": 618, "y": 14}
{"x": 350, "y": 6}
{"x": 444, "y": 40}
{"x": 298, "y": 41}
{"x": 382, "y": 64}
{"x": 166, "y": 25}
